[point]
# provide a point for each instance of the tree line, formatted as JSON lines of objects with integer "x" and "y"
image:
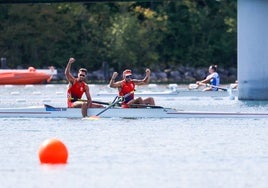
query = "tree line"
{"x": 159, "y": 35}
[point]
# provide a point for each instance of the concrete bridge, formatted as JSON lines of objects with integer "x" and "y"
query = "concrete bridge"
{"x": 253, "y": 49}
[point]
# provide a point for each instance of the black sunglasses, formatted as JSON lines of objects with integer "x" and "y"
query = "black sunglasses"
{"x": 128, "y": 76}
{"x": 82, "y": 75}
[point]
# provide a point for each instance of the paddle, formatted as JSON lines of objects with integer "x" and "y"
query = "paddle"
{"x": 116, "y": 101}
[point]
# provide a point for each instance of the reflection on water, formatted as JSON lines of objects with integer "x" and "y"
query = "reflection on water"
{"x": 252, "y": 103}
{"x": 137, "y": 153}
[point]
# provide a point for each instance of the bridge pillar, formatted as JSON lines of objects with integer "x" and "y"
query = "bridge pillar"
{"x": 252, "y": 49}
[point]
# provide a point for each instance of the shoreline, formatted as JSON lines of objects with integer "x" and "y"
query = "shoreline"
{"x": 182, "y": 75}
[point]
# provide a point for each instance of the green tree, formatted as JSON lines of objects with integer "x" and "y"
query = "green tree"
{"x": 155, "y": 34}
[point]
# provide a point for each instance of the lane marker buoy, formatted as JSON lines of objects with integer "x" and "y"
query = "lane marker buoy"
{"x": 53, "y": 151}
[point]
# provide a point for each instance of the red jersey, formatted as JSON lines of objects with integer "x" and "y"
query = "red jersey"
{"x": 126, "y": 88}
{"x": 75, "y": 92}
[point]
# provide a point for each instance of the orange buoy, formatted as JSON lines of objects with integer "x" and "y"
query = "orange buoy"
{"x": 53, "y": 151}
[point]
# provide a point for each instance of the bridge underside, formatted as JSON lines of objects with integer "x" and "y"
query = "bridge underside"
{"x": 73, "y": 1}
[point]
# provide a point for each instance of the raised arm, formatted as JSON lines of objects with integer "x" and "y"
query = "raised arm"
{"x": 114, "y": 84}
{"x": 68, "y": 74}
{"x": 145, "y": 80}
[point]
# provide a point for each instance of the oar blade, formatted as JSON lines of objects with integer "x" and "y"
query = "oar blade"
{"x": 92, "y": 118}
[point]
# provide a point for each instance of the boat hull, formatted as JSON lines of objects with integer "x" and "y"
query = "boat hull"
{"x": 23, "y": 78}
{"x": 26, "y": 76}
{"x": 62, "y": 112}
{"x": 54, "y": 112}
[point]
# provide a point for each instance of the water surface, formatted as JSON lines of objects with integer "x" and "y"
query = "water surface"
{"x": 117, "y": 152}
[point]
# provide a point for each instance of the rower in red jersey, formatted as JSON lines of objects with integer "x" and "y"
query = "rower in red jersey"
{"x": 77, "y": 87}
{"x": 127, "y": 85}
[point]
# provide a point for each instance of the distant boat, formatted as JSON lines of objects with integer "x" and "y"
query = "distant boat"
{"x": 26, "y": 76}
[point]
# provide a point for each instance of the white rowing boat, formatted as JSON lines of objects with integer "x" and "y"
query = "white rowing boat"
{"x": 117, "y": 112}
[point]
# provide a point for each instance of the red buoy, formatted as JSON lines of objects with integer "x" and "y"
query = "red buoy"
{"x": 53, "y": 151}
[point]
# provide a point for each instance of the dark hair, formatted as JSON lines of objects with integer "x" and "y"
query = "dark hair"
{"x": 214, "y": 67}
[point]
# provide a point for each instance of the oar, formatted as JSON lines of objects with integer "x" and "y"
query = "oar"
{"x": 229, "y": 90}
{"x": 224, "y": 89}
{"x": 99, "y": 102}
{"x": 145, "y": 106}
{"x": 118, "y": 100}
{"x": 195, "y": 86}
